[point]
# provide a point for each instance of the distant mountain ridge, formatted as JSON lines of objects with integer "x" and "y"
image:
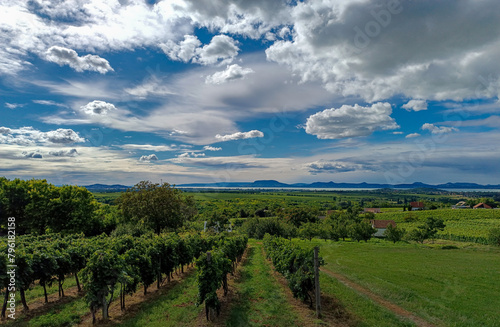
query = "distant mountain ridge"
{"x": 276, "y": 184}
{"x": 104, "y": 187}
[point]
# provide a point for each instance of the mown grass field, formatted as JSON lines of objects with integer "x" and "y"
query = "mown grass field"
{"x": 456, "y": 287}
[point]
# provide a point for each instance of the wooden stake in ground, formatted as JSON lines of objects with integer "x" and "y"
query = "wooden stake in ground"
{"x": 316, "y": 282}
{"x": 207, "y": 309}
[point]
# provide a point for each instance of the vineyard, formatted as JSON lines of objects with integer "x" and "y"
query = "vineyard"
{"x": 110, "y": 267}
{"x": 461, "y": 225}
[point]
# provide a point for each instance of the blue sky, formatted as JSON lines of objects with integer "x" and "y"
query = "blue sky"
{"x": 189, "y": 91}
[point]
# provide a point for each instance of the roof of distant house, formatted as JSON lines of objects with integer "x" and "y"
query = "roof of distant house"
{"x": 482, "y": 205}
{"x": 382, "y": 223}
{"x": 417, "y": 204}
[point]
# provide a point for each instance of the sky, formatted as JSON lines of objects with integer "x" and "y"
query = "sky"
{"x": 185, "y": 91}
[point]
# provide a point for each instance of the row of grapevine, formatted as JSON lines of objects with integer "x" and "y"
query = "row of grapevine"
{"x": 213, "y": 268}
{"x": 476, "y": 230}
{"x": 46, "y": 260}
{"x": 294, "y": 263}
{"x": 104, "y": 263}
{"x": 443, "y": 214}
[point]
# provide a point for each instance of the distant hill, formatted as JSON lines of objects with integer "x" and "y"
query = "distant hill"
{"x": 276, "y": 184}
{"x": 106, "y": 188}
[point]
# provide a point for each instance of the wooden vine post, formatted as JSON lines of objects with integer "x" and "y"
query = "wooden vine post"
{"x": 208, "y": 310}
{"x": 316, "y": 282}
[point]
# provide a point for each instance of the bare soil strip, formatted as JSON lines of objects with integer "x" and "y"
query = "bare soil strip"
{"x": 378, "y": 299}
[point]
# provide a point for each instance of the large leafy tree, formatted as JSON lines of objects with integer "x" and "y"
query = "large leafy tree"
{"x": 38, "y": 210}
{"x": 73, "y": 210}
{"x": 14, "y": 199}
{"x": 158, "y": 206}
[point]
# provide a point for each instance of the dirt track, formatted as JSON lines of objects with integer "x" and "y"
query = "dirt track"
{"x": 379, "y": 300}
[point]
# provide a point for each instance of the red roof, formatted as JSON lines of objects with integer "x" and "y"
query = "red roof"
{"x": 382, "y": 223}
{"x": 417, "y": 204}
{"x": 482, "y": 205}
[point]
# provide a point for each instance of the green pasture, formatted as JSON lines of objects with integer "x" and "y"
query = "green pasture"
{"x": 453, "y": 287}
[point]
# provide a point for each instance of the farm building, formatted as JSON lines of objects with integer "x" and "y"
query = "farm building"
{"x": 460, "y": 205}
{"x": 374, "y": 210}
{"x": 381, "y": 226}
{"x": 482, "y": 206}
{"x": 417, "y": 206}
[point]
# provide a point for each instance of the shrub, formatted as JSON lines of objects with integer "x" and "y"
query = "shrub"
{"x": 494, "y": 236}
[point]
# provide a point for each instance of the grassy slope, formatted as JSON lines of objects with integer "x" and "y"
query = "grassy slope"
{"x": 449, "y": 287}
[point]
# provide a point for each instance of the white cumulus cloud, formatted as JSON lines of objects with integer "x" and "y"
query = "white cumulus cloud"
{"x": 231, "y": 73}
{"x": 324, "y": 166}
{"x": 190, "y": 155}
{"x": 351, "y": 121}
{"x": 32, "y": 154}
{"x": 96, "y": 108}
{"x": 64, "y": 153}
{"x": 239, "y": 135}
{"x": 438, "y": 129}
{"x": 63, "y": 136}
{"x": 379, "y": 49}
{"x": 5, "y": 130}
{"x": 415, "y": 105}
{"x": 149, "y": 158}
{"x": 13, "y": 105}
{"x": 64, "y": 56}
{"x": 412, "y": 135}
{"x": 221, "y": 49}
{"x": 31, "y": 136}
{"x": 211, "y": 148}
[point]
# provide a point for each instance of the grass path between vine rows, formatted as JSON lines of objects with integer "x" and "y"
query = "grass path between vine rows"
{"x": 258, "y": 299}
{"x": 258, "y": 296}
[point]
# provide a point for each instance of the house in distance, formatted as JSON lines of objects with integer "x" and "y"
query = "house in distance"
{"x": 417, "y": 205}
{"x": 381, "y": 226}
{"x": 461, "y": 205}
{"x": 482, "y": 206}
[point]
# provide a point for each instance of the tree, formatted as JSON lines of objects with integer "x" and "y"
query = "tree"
{"x": 74, "y": 211}
{"x": 394, "y": 234}
{"x": 417, "y": 235}
{"x": 494, "y": 236}
{"x": 309, "y": 230}
{"x": 298, "y": 216}
{"x": 427, "y": 230}
{"x": 38, "y": 210}
{"x": 156, "y": 206}
{"x": 15, "y": 198}
{"x": 432, "y": 226}
{"x": 362, "y": 231}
